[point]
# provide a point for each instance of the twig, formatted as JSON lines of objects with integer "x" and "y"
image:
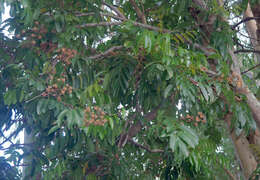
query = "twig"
{"x": 106, "y": 53}
{"x": 244, "y": 20}
{"x": 100, "y": 24}
{"x": 139, "y": 13}
{"x": 146, "y": 26}
{"x": 6, "y": 139}
{"x": 102, "y": 14}
{"x": 15, "y": 145}
{"x": 124, "y": 135}
{"x": 115, "y": 10}
{"x": 246, "y": 51}
{"x": 226, "y": 170}
{"x": 35, "y": 97}
{"x": 250, "y": 69}
{"x": 146, "y": 148}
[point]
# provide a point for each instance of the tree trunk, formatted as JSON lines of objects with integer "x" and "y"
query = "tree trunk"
{"x": 244, "y": 154}
{"x": 27, "y": 161}
{"x": 251, "y": 28}
{"x": 243, "y": 151}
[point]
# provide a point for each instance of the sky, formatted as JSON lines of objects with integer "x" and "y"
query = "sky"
{"x": 20, "y": 136}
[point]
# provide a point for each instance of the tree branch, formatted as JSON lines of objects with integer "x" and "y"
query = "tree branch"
{"x": 227, "y": 171}
{"x": 146, "y": 26}
{"x": 115, "y": 10}
{"x": 8, "y": 138}
{"x": 250, "y": 69}
{"x": 145, "y": 147}
{"x": 100, "y": 24}
{"x": 106, "y": 53}
{"x": 244, "y": 20}
{"x": 102, "y": 14}
{"x": 246, "y": 51}
{"x": 139, "y": 13}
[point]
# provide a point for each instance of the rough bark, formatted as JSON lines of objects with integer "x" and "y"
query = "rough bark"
{"x": 243, "y": 151}
{"x": 246, "y": 158}
{"x": 251, "y": 28}
{"x": 27, "y": 161}
{"x": 256, "y": 13}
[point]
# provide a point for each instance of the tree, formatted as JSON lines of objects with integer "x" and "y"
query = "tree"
{"x": 131, "y": 89}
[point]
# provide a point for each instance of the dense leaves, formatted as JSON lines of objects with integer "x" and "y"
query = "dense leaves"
{"x": 106, "y": 94}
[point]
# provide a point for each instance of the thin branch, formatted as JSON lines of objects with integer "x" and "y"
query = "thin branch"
{"x": 114, "y": 8}
{"x": 16, "y": 145}
{"x": 100, "y": 24}
{"x": 139, "y": 13}
{"x": 246, "y": 51}
{"x": 102, "y": 14}
{"x": 247, "y": 36}
{"x": 244, "y": 20}
{"x": 7, "y": 139}
{"x": 33, "y": 98}
{"x": 146, "y": 148}
{"x": 106, "y": 53}
{"x": 250, "y": 69}
{"x": 124, "y": 135}
{"x": 226, "y": 170}
{"x": 146, "y": 26}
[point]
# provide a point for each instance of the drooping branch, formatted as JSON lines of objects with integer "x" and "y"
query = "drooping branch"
{"x": 106, "y": 53}
{"x": 115, "y": 9}
{"x": 6, "y": 139}
{"x": 100, "y": 24}
{"x": 146, "y": 26}
{"x": 139, "y": 13}
{"x": 102, "y": 14}
{"x": 246, "y": 51}
{"x": 250, "y": 69}
{"x": 227, "y": 171}
{"x": 244, "y": 20}
{"x": 137, "y": 126}
{"x": 252, "y": 101}
{"x": 145, "y": 147}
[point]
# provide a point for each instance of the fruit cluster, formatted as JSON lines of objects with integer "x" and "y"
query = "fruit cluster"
{"x": 94, "y": 116}
{"x": 34, "y": 38}
{"x": 197, "y": 119}
{"x": 65, "y": 55}
{"x": 58, "y": 88}
{"x": 33, "y": 35}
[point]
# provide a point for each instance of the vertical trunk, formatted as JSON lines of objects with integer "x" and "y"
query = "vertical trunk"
{"x": 251, "y": 28}
{"x": 27, "y": 161}
{"x": 247, "y": 159}
{"x": 243, "y": 152}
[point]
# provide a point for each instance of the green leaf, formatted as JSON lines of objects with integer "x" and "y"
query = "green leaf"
{"x": 183, "y": 149}
{"x": 147, "y": 42}
{"x": 10, "y": 97}
{"x": 160, "y": 67}
{"x": 54, "y": 128}
{"x": 39, "y": 106}
{"x": 167, "y": 90}
{"x": 111, "y": 123}
{"x": 170, "y": 72}
{"x": 204, "y": 92}
{"x": 61, "y": 117}
{"x": 173, "y": 140}
{"x": 185, "y": 137}
{"x": 189, "y": 131}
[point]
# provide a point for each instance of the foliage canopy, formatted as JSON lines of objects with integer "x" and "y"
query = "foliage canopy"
{"x": 122, "y": 89}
